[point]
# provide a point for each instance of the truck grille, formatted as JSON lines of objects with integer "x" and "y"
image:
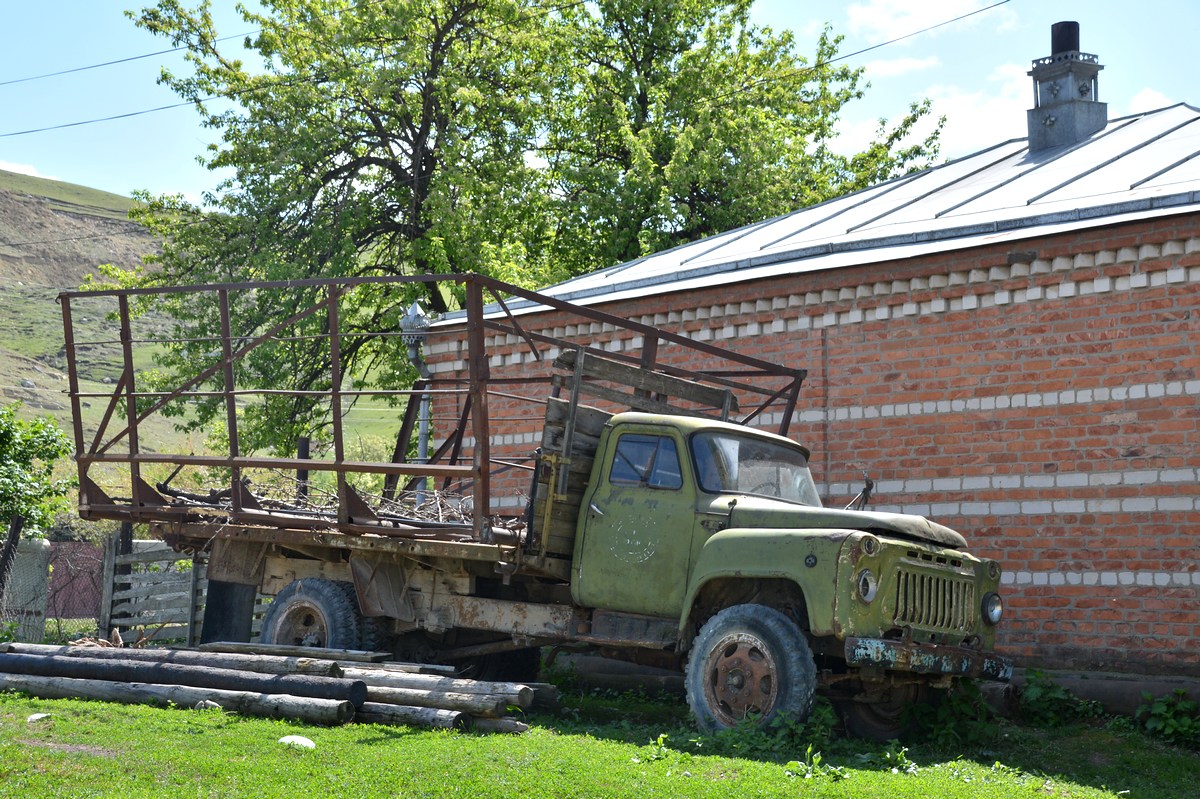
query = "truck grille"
{"x": 934, "y": 602}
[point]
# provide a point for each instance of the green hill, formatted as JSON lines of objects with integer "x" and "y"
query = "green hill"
{"x": 52, "y": 235}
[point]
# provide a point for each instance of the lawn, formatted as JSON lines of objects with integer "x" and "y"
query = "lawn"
{"x": 600, "y": 744}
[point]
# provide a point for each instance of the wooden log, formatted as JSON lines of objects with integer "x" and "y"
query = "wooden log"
{"x": 475, "y": 704}
{"x": 504, "y": 725}
{"x": 380, "y": 713}
{"x": 261, "y": 664}
{"x": 354, "y": 691}
{"x": 307, "y": 709}
{"x": 509, "y": 693}
{"x": 295, "y": 651}
{"x": 405, "y": 668}
{"x": 545, "y": 696}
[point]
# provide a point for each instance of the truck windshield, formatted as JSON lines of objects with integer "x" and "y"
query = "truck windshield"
{"x": 731, "y": 463}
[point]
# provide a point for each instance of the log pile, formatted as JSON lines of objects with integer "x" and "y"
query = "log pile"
{"x": 338, "y": 688}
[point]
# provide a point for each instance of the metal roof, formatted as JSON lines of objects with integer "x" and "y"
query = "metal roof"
{"x": 1137, "y": 167}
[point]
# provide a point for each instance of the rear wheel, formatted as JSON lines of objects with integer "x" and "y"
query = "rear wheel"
{"x": 314, "y": 612}
{"x": 750, "y": 661}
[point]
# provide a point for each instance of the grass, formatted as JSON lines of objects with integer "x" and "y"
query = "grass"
{"x": 600, "y": 745}
{"x": 69, "y": 196}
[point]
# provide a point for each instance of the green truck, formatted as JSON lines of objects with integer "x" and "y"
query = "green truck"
{"x": 670, "y": 535}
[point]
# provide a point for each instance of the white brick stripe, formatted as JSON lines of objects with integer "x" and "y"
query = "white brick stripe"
{"x": 999, "y": 482}
{"x": 1102, "y": 578}
{"x": 1039, "y": 507}
{"x": 1051, "y": 399}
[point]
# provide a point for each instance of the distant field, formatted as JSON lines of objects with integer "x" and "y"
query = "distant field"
{"x": 68, "y": 196}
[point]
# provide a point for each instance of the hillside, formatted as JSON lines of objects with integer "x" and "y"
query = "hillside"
{"x": 52, "y": 235}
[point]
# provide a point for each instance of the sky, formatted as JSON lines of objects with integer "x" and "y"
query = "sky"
{"x": 973, "y": 70}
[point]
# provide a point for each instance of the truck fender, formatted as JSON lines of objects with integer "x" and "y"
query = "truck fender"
{"x": 805, "y": 559}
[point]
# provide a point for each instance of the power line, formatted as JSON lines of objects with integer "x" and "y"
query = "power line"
{"x": 113, "y": 63}
{"x": 231, "y": 95}
{"x": 821, "y": 64}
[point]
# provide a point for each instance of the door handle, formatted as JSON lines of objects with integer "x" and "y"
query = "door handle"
{"x": 592, "y": 507}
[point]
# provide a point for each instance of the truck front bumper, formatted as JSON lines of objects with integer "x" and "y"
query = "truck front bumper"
{"x": 927, "y": 658}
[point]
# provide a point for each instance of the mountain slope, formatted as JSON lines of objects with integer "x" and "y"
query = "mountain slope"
{"x": 52, "y": 235}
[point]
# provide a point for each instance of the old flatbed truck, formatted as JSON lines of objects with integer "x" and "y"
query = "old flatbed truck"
{"x": 658, "y": 525}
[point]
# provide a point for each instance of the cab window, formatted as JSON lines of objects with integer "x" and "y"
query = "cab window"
{"x": 649, "y": 461}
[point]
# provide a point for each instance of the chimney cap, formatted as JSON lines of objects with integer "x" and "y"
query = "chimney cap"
{"x": 1064, "y": 37}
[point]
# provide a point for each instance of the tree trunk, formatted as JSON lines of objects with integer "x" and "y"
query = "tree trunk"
{"x": 294, "y": 651}
{"x": 9, "y": 551}
{"x": 475, "y": 704}
{"x": 353, "y": 691}
{"x": 377, "y": 713}
{"x": 313, "y": 711}
{"x": 510, "y": 693}
{"x": 260, "y": 664}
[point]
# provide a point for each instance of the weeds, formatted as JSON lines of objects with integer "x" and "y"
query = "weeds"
{"x": 959, "y": 717}
{"x": 1045, "y": 703}
{"x": 1174, "y": 718}
{"x": 814, "y": 765}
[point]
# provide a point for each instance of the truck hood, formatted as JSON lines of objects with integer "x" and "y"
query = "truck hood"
{"x": 751, "y": 512}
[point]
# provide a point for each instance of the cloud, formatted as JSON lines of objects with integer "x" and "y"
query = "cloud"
{"x": 979, "y": 119}
{"x": 974, "y": 119}
{"x": 900, "y": 66}
{"x": 1147, "y": 100}
{"x": 883, "y": 20}
{"x": 24, "y": 169}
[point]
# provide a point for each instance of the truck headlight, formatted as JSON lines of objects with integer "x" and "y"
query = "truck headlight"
{"x": 868, "y": 586}
{"x": 993, "y": 608}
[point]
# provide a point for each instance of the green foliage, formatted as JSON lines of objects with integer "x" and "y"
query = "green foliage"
{"x": 675, "y": 121}
{"x": 28, "y": 488}
{"x": 1046, "y": 703}
{"x": 955, "y": 719}
{"x": 894, "y": 759}
{"x": 779, "y": 741}
{"x": 524, "y": 139}
{"x": 8, "y": 631}
{"x": 1174, "y": 717}
{"x": 814, "y": 765}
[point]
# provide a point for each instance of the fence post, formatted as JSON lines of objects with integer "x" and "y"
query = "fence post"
{"x": 110, "y": 575}
{"x": 195, "y": 600}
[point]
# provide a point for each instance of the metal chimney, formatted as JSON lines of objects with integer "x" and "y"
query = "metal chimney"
{"x": 1066, "y": 93}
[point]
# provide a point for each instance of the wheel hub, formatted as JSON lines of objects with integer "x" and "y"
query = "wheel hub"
{"x": 303, "y": 626}
{"x": 741, "y": 678}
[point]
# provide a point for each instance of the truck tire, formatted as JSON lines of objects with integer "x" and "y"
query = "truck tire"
{"x": 750, "y": 661}
{"x": 883, "y": 720}
{"x": 314, "y": 612}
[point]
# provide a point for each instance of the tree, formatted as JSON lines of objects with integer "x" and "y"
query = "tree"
{"x": 374, "y": 138}
{"x": 526, "y": 139}
{"x": 28, "y": 452}
{"x": 679, "y": 120}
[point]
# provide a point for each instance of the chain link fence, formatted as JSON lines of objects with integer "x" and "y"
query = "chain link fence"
{"x": 53, "y": 591}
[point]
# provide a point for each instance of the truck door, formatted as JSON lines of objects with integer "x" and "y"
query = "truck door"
{"x": 634, "y": 536}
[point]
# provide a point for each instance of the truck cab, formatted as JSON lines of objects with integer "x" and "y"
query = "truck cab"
{"x": 688, "y": 518}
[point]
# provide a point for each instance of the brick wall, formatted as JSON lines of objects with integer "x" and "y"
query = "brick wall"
{"x": 1043, "y": 398}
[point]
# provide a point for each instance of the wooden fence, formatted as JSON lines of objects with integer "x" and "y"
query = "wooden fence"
{"x": 157, "y": 593}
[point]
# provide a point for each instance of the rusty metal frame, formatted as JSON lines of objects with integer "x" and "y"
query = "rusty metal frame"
{"x": 747, "y": 375}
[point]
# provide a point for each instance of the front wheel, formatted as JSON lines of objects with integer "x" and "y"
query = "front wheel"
{"x": 750, "y": 661}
